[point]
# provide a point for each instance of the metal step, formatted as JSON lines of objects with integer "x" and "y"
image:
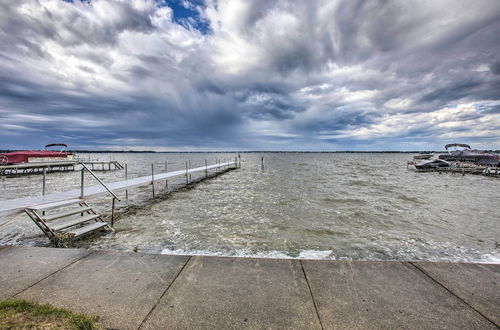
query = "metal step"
{"x": 87, "y": 229}
{"x": 66, "y": 213}
{"x": 48, "y": 206}
{"x": 65, "y": 223}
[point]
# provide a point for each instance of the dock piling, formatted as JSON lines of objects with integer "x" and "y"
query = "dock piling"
{"x": 166, "y": 170}
{"x": 153, "y": 179}
{"x": 81, "y": 182}
{"x": 126, "y": 179}
{"x": 44, "y": 180}
{"x": 113, "y": 212}
{"x": 43, "y": 184}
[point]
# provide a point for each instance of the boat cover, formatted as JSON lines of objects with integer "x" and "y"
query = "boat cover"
{"x": 22, "y": 156}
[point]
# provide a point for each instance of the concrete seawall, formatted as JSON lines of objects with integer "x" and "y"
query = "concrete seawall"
{"x": 141, "y": 291}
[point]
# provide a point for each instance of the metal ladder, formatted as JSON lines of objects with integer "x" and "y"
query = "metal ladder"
{"x": 77, "y": 220}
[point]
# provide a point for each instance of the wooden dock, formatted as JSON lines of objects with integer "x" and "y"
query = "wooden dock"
{"x": 38, "y": 168}
{"x": 57, "y": 166}
{"x": 13, "y": 206}
{"x": 480, "y": 170}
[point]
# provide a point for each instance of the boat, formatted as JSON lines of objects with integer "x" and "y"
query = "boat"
{"x": 37, "y": 156}
{"x": 431, "y": 164}
{"x": 423, "y": 156}
{"x": 464, "y": 153}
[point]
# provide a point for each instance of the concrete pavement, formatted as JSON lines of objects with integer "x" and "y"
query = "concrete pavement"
{"x": 140, "y": 291}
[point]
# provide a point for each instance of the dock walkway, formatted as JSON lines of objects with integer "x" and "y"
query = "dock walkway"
{"x": 141, "y": 291}
{"x": 13, "y": 206}
{"x": 57, "y": 166}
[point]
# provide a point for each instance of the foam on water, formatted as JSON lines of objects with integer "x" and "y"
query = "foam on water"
{"x": 307, "y": 254}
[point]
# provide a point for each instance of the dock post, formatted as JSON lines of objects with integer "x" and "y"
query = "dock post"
{"x": 189, "y": 166}
{"x": 43, "y": 183}
{"x": 113, "y": 212}
{"x": 239, "y": 158}
{"x": 262, "y": 160}
{"x": 206, "y": 168}
{"x": 153, "y": 179}
{"x": 81, "y": 182}
{"x": 187, "y": 178}
{"x": 126, "y": 179}
{"x": 166, "y": 171}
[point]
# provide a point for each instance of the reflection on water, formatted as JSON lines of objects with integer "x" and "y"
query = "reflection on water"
{"x": 306, "y": 205}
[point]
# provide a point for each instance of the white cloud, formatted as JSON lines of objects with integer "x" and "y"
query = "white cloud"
{"x": 304, "y": 71}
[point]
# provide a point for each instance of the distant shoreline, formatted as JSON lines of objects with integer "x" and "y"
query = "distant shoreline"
{"x": 244, "y": 152}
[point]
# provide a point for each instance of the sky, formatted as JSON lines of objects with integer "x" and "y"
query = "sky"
{"x": 232, "y": 75}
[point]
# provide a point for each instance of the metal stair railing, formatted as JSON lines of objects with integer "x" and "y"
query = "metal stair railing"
{"x": 85, "y": 167}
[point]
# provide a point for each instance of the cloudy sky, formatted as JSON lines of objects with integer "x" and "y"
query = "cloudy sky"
{"x": 249, "y": 75}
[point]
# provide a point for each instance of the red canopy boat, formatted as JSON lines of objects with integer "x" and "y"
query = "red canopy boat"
{"x": 30, "y": 156}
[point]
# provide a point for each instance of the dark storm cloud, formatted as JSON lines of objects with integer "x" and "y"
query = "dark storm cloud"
{"x": 452, "y": 92}
{"x": 249, "y": 74}
{"x": 495, "y": 67}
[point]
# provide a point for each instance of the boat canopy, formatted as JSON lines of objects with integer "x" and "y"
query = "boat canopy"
{"x": 64, "y": 146}
{"x": 457, "y": 145}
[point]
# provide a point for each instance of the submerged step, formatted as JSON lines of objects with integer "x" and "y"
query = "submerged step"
{"x": 88, "y": 229}
{"x": 65, "y": 223}
{"x": 67, "y": 213}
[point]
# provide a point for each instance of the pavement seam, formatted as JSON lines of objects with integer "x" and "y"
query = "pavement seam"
{"x": 311, "y": 293}
{"x": 55, "y": 272}
{"x": 164, "y": 292}
{"x": 452, "y": 293}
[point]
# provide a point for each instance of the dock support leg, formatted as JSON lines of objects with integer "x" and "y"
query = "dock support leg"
{"x": 206, "y": 169}
{"x": 126, "y": 179}
{"x": 153, "y": 179}
{"x": 43, "y": 184}
{"x": 187, "y": 178}
{"x": 44, "y": 180}
{"x": 113, "y": 212}
{"x": 81, "y": 183}
{"x": 166, "y": 171}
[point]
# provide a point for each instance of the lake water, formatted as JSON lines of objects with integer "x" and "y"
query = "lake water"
{"x": 301, "y": 205}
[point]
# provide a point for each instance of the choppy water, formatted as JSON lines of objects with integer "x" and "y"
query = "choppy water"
{"x": 306, "y": 205}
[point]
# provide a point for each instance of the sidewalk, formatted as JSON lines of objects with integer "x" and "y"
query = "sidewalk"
{"x": 141, "y": 291}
